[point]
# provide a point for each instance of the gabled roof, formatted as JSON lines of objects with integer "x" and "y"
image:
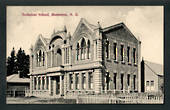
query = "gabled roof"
{"x": 14, "y": 78}
{"x": 154, "y": 67}
{"x": 116, "y": 26}
{"x": 45, "y": 41}
{"x": 84, "y": 21}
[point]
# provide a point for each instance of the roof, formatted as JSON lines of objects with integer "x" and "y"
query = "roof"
{"x": 14, "y": 78}
{"x": 154, "y": 67}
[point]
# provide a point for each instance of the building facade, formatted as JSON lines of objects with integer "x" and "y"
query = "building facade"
{"x": 94, "y": 60}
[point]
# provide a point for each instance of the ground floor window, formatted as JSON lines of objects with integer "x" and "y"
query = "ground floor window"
{"x": 71, "y": 81}
{"x": 84, "y": 80}
{"x": 77, "y": 81}
{"x": 90, "y": 80}
{"x": 122, "y": 77}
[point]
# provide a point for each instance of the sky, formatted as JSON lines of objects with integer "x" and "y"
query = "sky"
{"x": 145, "y": 22}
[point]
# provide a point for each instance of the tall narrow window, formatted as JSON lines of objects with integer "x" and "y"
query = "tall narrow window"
{"x": 37, "y": 59}
{"x": 83, "y": 49}
{"x": 128, "y": 54}
{"x": 122, "y": 77}
{"x": 128, "y": 79}
{"x": 115, "y": 51}
{"x": 47, "y": 82}
{"x": 43, "y": 59}
{"x": 134, "y": 55}
{"x": 90, "y": 80}
{"x": 134, "y": 82}
{"x": 152, "y": 85}
{"x": 77, "y": 56}
{"x": 107, "y": 49}
{"x": 39, "y": 82}
{"x": 114, "y": 80}
{"x": 66, "y": 55}
{"x": 84, "y": 80}
{"x": 35, "y": 83}
{"x": 71, "y": 81}
{"x": 122, "y": 52}
{"x": 40, "y": 58}
{"x": 77, "y": 81}
{"x": 43, "y": 82}
{"x": 107, "y": 80}
{"x": 88, "y": 49}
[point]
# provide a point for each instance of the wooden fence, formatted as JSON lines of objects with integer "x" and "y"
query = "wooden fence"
{"x": 134, "y": 98}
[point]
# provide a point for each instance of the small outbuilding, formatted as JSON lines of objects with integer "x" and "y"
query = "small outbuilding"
{"x": 16, "y": 86}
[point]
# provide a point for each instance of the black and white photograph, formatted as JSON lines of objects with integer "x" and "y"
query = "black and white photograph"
{"x": 85, "y": 54}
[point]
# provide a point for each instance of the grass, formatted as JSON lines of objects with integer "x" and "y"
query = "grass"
{"x": 36, "y": 100}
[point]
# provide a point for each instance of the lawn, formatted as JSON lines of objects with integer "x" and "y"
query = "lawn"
{"x": 36, "y": 100}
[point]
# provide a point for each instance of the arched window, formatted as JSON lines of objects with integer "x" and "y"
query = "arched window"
{"x": 88, "y": 49}
{"x": 37, "y": 58}
{"x": 59, "y": 57}
{"x": 43, "y": 59}
{"x": 77, "y": 56}
{"x": 40, "y": 58}
{"x": 83, "y": 49}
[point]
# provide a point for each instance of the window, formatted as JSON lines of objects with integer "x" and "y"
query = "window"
{"x": 122, "y": 52}
{"x": 122, "y": 76}
{"x": 39, "y": 82}
{"x": 152, "y": 83}
{"x": 40, "y": 58}
{"x": 107, "y": 49}
{"x": 107, "y": 80}
{"x": 43, "y": 59}
{"x": 134, "y": 55}
{"x": 128, "y": 54}
{"x": 90, "y": 80}
{"x": 83, "y": 49}
{"x": 128, "y": 79}
{"x": 134, "y": 82}
{"x": 42, "y": 83}
{"x": 77, "y": 56}
{"x": 114, "y": 80}
{"x": 37, "y": 59}
{"x": 77, "y": 81}
{"x": 71, "y": 81}
{"x": 115, "y": 51}
{"x": 84, "y": 80}
{"x": 47, "y": 79}
{"x": 35, "y": 83}
{"x": 88, "y": 49}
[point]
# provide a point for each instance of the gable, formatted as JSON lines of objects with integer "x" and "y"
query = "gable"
{"x": 83, "y": 28}
{"x": 40, "y": 43}
{"x": 120, "y": 31}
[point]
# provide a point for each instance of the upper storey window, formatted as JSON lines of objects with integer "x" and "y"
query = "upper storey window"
{"x": 122, "y": 52}
{"x": 128, "y": 54}
{"x": 115, "y": 51}
{"x": 88, "y": 49}
{"x": 40, "y": 58}
{"x": 83, "y": 50}
{"x": 107, "y": 49}
{"x": 77, "y": 52}
{"x": 134, "y": 55}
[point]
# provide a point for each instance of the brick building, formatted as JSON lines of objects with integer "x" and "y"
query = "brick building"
{"x": 94, "y": 60}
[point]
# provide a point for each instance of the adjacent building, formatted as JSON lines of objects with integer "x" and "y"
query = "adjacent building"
{"x": 152, "y": 78}
{"x": 94, "y": 60}
{"x": 16, "y": 85}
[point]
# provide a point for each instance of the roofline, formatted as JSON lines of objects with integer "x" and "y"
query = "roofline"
{"x": 117, "y": 26}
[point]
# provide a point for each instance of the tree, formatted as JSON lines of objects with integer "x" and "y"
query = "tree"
{"x": 11, "y": 63}
{"x": 22, "y": 63}
{"x": 18, "y": 63}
